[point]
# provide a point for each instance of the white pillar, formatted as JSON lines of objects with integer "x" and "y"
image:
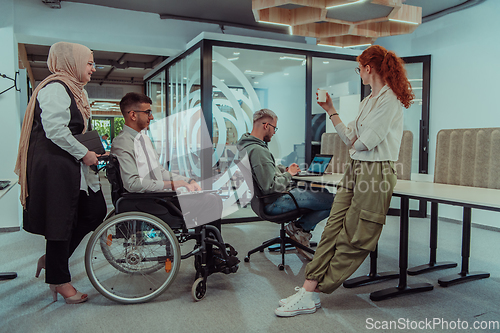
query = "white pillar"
{"x": 10, "y": 208}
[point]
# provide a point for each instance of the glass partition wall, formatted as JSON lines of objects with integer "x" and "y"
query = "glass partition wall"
{"x": 204, "y": 100}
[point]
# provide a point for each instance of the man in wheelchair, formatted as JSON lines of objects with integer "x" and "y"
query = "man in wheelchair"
{"x": 141, "y": 172}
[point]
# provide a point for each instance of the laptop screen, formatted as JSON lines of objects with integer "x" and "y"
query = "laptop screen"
{"x": 320, "y": 163}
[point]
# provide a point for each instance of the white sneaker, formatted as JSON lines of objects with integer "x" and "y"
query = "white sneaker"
{"x": 300, "y": 303}
{"x": 315, "y": 297}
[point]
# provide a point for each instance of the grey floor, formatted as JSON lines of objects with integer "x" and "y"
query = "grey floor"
{"x": 244, "y": 302}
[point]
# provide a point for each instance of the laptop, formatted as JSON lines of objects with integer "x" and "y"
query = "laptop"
{"x": 318, "y": 166}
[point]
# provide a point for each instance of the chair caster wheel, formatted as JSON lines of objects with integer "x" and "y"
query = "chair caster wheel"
{"x": 247, "y": 259}
{"x": 281, "y": 267}
{"x": 199, "y": 289}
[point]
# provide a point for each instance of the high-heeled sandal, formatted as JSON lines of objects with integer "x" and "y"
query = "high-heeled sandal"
{"x": 40, "y": 265}
{"x": 75, "y": 299}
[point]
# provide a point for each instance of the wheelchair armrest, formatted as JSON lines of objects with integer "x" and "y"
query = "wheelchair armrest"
{"x": 162, "y": 196}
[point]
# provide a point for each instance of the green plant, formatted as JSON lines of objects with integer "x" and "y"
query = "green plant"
{"x": 102, "y": 126}
{"x": 119, "y": 122}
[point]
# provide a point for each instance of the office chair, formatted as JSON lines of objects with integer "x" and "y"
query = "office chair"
{"x": 258, "y": 204}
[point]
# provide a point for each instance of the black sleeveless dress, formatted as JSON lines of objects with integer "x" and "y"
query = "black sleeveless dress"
{"x": 53, "y": 177}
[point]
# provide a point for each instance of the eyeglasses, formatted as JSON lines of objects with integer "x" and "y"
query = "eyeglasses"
{"x": 91, "y": 64}
{"x": 357, "y": 70}
{"x": 148, "y": 112}
{"x": 275, "y": 128}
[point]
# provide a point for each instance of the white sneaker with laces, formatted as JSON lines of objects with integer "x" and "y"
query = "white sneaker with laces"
{"x": 315, "y": 297}
{"x": 300, "y": 303}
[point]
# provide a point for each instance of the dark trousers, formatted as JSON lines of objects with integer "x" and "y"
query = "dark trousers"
{"x": 91, "y": 213}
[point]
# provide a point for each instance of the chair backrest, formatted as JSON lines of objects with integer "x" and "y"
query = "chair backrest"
{"x": 332, "y": 144}
{"x": 403, "y": 164}
{"x": 257, "y": 202}
{"x": 468, "y": 157}
{"x": 114, "y": 178}
{"x": 245, "y": 169}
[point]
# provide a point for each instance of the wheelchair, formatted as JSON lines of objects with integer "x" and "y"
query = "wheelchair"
{"x": 134, "y": 256}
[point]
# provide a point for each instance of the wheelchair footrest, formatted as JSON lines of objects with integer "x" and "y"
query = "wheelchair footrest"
{"x": 225, "y": 264}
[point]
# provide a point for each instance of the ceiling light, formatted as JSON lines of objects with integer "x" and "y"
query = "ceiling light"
{"x": 326, "y": 62}
{"x": 402, "y": 21}
{"x": 255, "y": 82}
{"x": 360, "y": 45}
{"x": 344, "y": 4}
{"x": 275, "y": 23}
{"x": 330, "y": 45}
{"x": 291, "y": 58}
{"x": 233, "y": 59}
{"x": 290, "y": 31}
{"x": 250, "y": 72}
{"x": 222, "y": 80}
{"x": 236, "y": 53}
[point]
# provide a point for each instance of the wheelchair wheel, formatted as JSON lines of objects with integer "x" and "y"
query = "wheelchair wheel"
{"x": 113, "y": 256}
{"x": 132, "y": 257}
{"x": 199, "y": 289}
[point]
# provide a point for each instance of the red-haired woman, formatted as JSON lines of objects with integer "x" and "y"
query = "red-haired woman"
{"x": 364, "y": 194}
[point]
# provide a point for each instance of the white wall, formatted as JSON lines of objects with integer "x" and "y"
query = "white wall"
{"x": 9, "y": 110}
{"x": 464, "y": 49}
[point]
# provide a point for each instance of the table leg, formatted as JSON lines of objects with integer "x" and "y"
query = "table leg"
{"x": 373, "y": 276}
{"x": 403, "y": 288}
{"x": 432, "y": 265}
{"x": 464, "y": 274}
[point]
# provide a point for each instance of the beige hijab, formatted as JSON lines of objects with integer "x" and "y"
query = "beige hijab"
{"x": 68, "y": 63}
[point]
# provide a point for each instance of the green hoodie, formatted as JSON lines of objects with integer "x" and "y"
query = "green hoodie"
{"x": 270, "y": 178}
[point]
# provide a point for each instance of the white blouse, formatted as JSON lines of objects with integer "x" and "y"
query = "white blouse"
{"x": 54, "y": 102}
{"x": 378, "y": 128}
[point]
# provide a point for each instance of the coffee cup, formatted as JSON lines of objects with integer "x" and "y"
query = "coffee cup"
{"x": 322, "y": 95}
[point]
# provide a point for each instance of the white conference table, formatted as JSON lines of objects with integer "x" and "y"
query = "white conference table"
{"x": 463, "y": 196}
{"x": 8, "y": 275}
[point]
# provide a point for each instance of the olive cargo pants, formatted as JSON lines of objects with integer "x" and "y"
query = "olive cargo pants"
{"x": 355, "y": 223}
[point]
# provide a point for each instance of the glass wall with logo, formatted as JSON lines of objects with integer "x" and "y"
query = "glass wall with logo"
{"x": 211, "y": 91}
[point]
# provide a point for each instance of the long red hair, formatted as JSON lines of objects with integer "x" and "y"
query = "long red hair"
{"x": 391, "y": 68}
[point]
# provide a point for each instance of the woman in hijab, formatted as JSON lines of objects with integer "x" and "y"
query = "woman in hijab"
{"x": 60, "y": 194}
